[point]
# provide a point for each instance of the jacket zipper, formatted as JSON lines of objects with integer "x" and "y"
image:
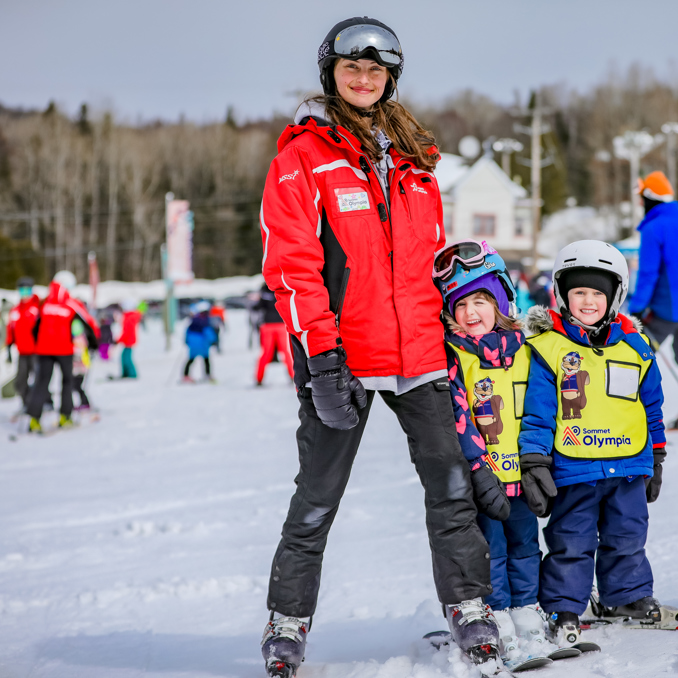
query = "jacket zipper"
{"x": 342, "y": 294}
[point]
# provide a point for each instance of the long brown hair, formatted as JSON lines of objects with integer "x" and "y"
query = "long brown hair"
{"x": 408, "y": 137}
{"x": 503, "y": 322}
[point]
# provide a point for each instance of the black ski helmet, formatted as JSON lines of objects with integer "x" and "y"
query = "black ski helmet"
{"x": 360, "y": 38}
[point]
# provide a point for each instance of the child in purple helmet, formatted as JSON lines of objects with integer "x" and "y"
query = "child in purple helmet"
{"x": 488, "y": 363}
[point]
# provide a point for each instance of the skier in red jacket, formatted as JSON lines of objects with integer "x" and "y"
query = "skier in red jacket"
{"x": 351, "y": 219}
{"x": 22, "y": 319}
{"x": 131, "y": 317}
{"x": 54, "y": 345}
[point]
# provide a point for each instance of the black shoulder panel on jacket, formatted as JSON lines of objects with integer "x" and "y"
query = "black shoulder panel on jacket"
{"x": 335, "y": 263}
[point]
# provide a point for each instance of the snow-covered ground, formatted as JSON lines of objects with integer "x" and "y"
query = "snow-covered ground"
{"x": 140, "y": 545}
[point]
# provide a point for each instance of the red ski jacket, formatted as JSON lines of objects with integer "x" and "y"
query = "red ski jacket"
{"x": 22, "y": 319}
{"x": 130, "y": 320}
{"x": 346, "y": 268}
{"x": 54, "y": 327}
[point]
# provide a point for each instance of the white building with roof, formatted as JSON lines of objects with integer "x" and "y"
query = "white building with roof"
{"x": 482, "y": 203}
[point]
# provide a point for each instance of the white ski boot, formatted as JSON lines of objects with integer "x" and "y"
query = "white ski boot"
{"x": 529, "y": 622}
{"x": 474, "y": 630}
{"x": 284, "y": 644}
{"x": 508, "y": 641}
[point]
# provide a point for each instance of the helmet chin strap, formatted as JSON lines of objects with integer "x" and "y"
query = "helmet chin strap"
{"x": 593, "y": 329}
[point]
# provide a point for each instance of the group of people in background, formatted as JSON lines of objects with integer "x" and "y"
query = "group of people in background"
{"x": 59, "y": 331}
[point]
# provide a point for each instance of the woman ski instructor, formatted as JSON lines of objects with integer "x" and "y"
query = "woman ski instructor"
{"x": 351, "y": 219}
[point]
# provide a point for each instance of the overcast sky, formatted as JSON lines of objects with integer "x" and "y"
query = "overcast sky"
{"x": 163, "y": 58}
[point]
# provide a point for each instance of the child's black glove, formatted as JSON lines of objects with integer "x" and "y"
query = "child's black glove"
{"x": 654, "y": 484}
{"x": 333, "y": 389}
{"x": 538, "y": 485}
{"x": 489, "y": 494}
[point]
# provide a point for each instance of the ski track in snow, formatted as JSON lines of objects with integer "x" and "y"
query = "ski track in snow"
{"x": 140, "y": 545}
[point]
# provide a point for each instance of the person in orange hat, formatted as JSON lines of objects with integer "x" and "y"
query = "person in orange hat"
{"x": 655, "y": 298}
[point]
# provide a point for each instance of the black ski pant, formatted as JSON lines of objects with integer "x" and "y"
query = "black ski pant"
{"x": 658, "y": 329}
{"x": 24, "y": 369}
{"x": 187, "y": 369}
{"x": 78, "y": 382}
{"x": 40, "y": 391}
{"x": 461, "y": 556}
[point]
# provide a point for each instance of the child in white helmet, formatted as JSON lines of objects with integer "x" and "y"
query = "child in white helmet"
{"x": 592, "y": 442}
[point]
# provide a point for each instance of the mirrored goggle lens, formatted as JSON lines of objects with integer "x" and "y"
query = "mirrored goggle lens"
{"x": 355, "y": 39}
{"x": 465, "y": 252}
{"x": 25, "y": 291}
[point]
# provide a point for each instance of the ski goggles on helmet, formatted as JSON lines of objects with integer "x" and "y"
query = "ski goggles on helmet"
{"x": 354, "y": 40}
{"x": 467, "y": 253}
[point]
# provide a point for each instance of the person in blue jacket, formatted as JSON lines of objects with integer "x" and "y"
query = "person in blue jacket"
{"x": 200, "y": 337}
{"x": 655, "y": 299}
{"x": 592, "y": 429}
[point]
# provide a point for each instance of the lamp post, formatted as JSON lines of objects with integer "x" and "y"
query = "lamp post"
{"x": 671, "y": 129}
{"x": 506, "y": 147}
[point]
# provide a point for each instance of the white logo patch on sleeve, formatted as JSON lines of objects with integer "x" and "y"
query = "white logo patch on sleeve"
{"x": 352, "y": 199}
{"x": 284, "y": 177}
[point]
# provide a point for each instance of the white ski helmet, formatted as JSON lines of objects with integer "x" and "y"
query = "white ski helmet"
{"x": 66, "y": 279}
{"x": 592, "y": 254}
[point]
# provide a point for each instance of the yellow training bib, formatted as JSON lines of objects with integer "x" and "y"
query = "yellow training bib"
{"x": 496, "y": 399}
{"x": 600, "y": 415}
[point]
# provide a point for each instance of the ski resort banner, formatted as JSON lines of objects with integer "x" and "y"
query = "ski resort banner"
{"x": 179, "y": 225}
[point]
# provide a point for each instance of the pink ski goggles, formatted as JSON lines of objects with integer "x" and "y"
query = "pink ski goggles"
{"x": 467, "y": 253}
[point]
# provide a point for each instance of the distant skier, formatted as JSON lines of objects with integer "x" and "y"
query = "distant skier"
{"x": 131, "y": 318}
{"x": 200, "y": 337}
{"x": 106, "y": 339}
{"x": 607, "y": 462}
{"x": 488, "y": 365}
{"x": 22, "y": 320}
{"x": 54, "y": 345}
{"x": 81, "y": 362}
{"x": 218, "y": 322}
{"x": 273, "y": 334}
{"x": 655, "y": 299}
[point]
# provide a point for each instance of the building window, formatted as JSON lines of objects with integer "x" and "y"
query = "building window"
{"x": 448, "y": 223}
{"x": 484, "y": 224}
{"x": 520, "y": 226}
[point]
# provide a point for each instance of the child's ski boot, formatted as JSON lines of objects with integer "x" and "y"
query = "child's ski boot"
{"x": 284, "y": 644}
{"x": 65, "y": 422}
{"x": 529, "y": 623}
{"x": 34, "y": 426}
{"x": 647, "y": 608}
{"x": 474, "y": 630}
{"x": 564, "y": 628}
{"x": 508, "y": 641}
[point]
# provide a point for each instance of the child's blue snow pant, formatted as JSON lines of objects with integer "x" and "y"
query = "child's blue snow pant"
{"x": 514, "y": 556}
{"x": 607, "y": 520}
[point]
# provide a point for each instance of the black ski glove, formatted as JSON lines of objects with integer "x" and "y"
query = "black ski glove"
{"x": 489, "y": 494}
{"x": 654, "y": 484}
{"x": 333, "y": 389}
{"x": 538, "y": 485}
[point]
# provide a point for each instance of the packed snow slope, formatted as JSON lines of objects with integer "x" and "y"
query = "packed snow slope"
{"x": 140, "y": 545}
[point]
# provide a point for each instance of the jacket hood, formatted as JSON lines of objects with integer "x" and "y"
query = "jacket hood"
{"x": 57, "y": 294}
{"x": 33, "y": 300}
{"x": 311, "y": 109}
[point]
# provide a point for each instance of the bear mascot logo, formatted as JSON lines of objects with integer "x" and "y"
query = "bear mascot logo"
{"x": 573, "y": 386}
{"x": 487, "y": 411}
